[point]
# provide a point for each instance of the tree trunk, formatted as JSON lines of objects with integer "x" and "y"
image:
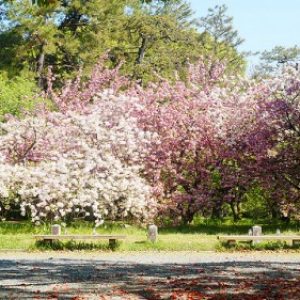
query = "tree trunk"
{"x": 238, "y": 209}
{"x": 275, "y": 211}
{"x": 217, "y": 211}
{"x": 187, "y": 218}
{"x": 40, "y": 69}
{"x": 187, "y": 214}
{"x": 142, "y": 51}
{"x": 235, "y": 213}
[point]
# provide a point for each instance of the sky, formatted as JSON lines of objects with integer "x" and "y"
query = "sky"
{"x": 263, "y": 24}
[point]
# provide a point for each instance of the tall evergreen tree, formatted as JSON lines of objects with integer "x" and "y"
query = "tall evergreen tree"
{"x": 152, "y": 37}
{"x": 272, "y": 61}
{"x": 220, "y": 39}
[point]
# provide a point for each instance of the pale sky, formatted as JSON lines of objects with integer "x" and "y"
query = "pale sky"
{"x": 263, "y": 24}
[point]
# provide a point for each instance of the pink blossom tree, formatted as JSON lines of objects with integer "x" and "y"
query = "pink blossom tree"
{"x": 278, "y": 166}
{"x": 204, "y": 128}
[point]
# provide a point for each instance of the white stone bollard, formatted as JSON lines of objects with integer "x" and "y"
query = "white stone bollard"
{"x": 257, "y": 231}
{"x": 152, "y": 233}
{"x": 278, "y": 232}
{"x": 56, "y": 229}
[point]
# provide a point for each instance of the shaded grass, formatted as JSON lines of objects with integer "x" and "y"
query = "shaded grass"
{"x": 195, "y": 237}
{"x": 216, "y": 227}
{"x": 261, "y": 246}
{"x": 71, "y": 245}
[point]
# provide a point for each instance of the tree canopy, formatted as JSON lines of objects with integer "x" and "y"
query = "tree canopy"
{"x": 271, "y": 61}
{"x": 152, "y": 37}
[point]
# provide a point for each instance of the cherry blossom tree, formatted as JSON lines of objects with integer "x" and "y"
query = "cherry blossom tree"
{"x": 204, "y": 127}
{"x": 83, "y": 159}
{"x": 113, "y": 149}
{"x": 279, "y": 165}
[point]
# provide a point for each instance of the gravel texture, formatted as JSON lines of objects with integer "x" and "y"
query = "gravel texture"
{"x": 149, "y": 275}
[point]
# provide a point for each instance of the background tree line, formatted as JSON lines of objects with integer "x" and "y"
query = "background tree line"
{"x": 152, "y": 37}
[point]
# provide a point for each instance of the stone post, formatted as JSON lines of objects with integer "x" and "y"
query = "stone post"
{"x": 257, "y": 231}
{"x": 152, "y": 233}
{"x": 56, "y": 229}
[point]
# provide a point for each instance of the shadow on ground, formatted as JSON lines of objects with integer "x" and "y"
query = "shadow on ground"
{"x": 100, "y": 279}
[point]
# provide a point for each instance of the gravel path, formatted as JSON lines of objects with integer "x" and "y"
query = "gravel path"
{"x": 149, "y": 275}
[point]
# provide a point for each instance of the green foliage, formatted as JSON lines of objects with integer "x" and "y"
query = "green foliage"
{"x": 10, "y": 44}
{"x": 220, "y": 26}
{"x": 272, "y": 60}
{"x": 255, "y": 204}
{"x": 64, "y": 36}
{"x": 220, "y": 40}
{"x": 17, "y": 95}
{"x": 153, "y": 37}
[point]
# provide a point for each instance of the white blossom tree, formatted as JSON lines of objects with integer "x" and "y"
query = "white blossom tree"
{"x": 84, "y": 161}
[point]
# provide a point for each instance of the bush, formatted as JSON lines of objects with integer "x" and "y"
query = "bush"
{"x": 73, "y": 245}
{"x": 17, "y": 95}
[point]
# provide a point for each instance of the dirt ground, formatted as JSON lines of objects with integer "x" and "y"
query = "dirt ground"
{"x": 149, "y": 275}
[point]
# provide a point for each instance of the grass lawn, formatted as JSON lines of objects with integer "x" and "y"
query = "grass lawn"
{"x": 198, "y": 237}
